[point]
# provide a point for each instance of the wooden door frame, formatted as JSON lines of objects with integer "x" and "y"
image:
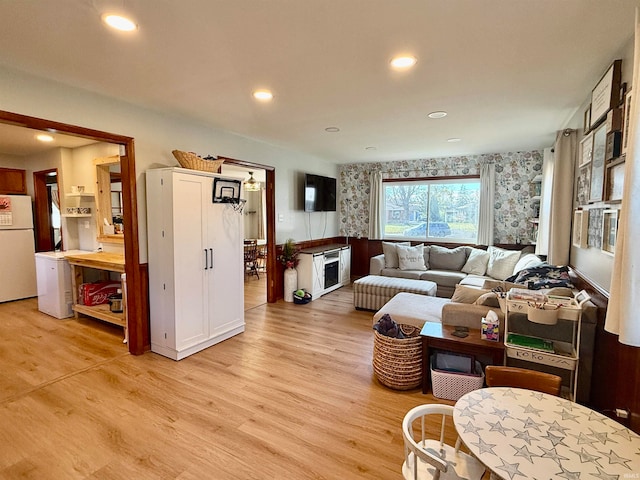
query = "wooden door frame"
{"x": 270, "y": 208}
{"x": 137, "y": 277}
{"x": 42, "y": 211}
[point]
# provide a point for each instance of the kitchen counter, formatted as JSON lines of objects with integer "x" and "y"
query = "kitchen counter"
{"x": 108, "y": 262}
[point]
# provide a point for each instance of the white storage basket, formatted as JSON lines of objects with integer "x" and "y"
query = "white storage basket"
{"x": 451, "y": 386}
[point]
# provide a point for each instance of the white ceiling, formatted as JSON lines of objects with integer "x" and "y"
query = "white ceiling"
{"x": 509, "y": 72}
{"x": 22, "y": 141}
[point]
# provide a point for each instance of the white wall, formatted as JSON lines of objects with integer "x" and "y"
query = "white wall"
{"x": 591, "y": 262}
{"x": 157, "y": 134}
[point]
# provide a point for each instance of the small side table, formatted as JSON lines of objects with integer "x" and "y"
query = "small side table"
{"x": 438, "y": 336}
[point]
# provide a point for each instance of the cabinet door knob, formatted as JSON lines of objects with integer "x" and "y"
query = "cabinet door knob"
{"x": 211, "y": 252}
{"x": 206, "y": 260}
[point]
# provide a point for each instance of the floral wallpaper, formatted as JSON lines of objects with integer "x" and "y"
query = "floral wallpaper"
{"x": 513, "y": 207}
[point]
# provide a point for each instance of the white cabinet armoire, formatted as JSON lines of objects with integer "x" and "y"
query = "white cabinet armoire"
{"x": 196, "y": 289}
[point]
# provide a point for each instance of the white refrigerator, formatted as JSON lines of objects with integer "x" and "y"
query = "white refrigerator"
{"x": 17, "y": 249}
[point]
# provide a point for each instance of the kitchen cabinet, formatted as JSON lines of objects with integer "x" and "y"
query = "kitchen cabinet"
{"x": 196, "y": 285}
{"x": 13, "y": 181}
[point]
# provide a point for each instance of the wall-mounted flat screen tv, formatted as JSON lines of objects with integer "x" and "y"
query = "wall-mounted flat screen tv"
{"x": 319, "y": 193}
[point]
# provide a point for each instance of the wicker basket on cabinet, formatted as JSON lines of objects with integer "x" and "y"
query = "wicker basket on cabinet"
{"x": 194, "y": 162}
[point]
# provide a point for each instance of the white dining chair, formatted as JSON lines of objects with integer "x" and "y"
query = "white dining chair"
{"x": 428, "y": 458}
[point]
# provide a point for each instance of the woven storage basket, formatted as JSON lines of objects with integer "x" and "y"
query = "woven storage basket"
{"x": 194, "y": 162}
{"x": 397, "y": 362}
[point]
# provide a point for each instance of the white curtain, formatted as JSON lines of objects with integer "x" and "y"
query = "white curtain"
{"x": 562, "y": 198}
{"x": 376, "y": 205}
{"x": 487, "y": 196}
{"x": 624, "y": 300}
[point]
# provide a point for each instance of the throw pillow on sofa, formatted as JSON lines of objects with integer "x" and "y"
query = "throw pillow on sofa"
{"x": 411, "y": 258}
{"x": 501, "y": 262}
{"x": 443, "y": 258}
{"x": 390, "y": 254}
{"x": 477, "y": 262}
{"x": 464, "y": 294}
{"x": 527, "y": 261}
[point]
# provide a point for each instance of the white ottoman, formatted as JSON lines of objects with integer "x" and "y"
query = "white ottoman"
{"x": 373, "y": 291}
{"x": 412, "y": 309}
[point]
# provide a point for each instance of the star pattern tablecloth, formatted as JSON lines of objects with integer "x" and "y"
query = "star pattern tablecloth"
{"x": 522, "y": 434}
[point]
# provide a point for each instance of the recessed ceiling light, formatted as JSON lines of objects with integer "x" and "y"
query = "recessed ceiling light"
{"x": 332, "y": 129}
{"x": 119, "y": 22}
{"x": 403, "y": 61}
{"x": 370, "y": 148}
{"x": 437, "y": 114}
{"x": 453, "y": 140}
{"x": 43, "y": 137}
{"x": 263, "y": 95}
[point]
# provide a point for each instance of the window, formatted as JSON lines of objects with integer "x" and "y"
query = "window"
{"x": 432, "y": 210}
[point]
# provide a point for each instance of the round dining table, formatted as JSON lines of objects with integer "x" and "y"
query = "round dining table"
{"x": 522, "y": 434}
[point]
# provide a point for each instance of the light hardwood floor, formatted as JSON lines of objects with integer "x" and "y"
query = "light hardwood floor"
{"x": 255, "y": 290}
{"x": 293, "y": 397}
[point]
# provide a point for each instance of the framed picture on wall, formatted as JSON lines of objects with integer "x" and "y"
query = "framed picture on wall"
{"x": 586, "y": 150}
{"x": 594, "y": 230}
{"x": 580, "y": 226}
{"x": 609, "y": 231}
{"x": 597, "y": 164}
{"x": 606, "y": 94}
{"x": 583, "y": 184}
{"x": 626, "y": 122}
{"x": 587, "y": 119}
{"x": 615, "y": 181}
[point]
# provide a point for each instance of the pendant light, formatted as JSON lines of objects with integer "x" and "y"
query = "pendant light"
{"x": 251, "y": 185}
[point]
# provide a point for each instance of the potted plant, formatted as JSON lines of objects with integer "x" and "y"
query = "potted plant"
{"x": 289, "y": 258}
{"x": 289, "y": 255}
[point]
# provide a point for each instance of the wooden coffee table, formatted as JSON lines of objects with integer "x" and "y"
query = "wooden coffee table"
{"x": 440, "y": 337}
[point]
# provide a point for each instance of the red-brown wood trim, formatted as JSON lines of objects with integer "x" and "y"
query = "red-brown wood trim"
{"x": 50, "y": 125}
{"x": 430, "y": 179}
{"x": 616, "y": 367}
{"x": 137, "y": 282}
{"x": 42, "y": 211}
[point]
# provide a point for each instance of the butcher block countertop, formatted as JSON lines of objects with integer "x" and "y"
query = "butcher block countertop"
{"x": 113, "y": 262}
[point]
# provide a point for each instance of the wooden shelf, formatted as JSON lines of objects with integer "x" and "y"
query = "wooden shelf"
{"x": 101, "y": 312}
{"x": 84, "y": 194}
{"x": 110, "y": 262}
{"x": 76, "y": 215}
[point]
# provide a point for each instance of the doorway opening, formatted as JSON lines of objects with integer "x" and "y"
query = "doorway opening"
{"x": 255, "y": 285}
{"x": 47, "y": 211}
{"x": 137, "y": 276}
